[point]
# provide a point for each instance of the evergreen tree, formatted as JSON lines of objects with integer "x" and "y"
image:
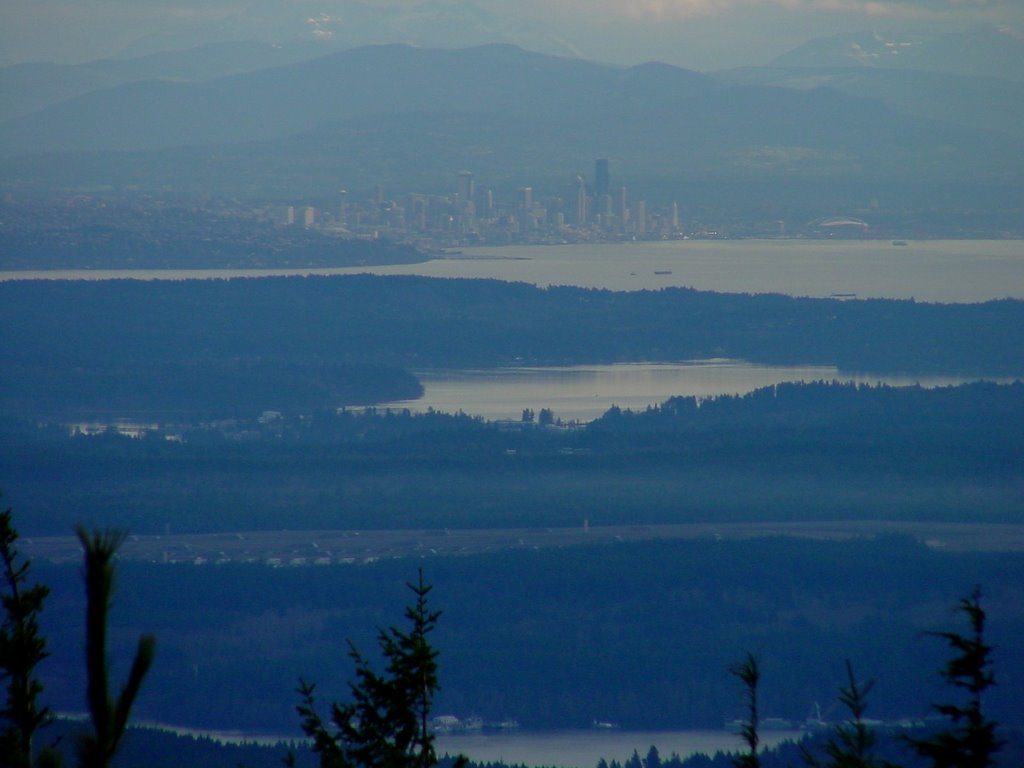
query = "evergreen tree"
{"x": 109, "y": 717}
{"x": 22, "y": 648}
{"x": 971, "y": 740}
{"x": 386, "y": 725}
{"x": 749, "y": 673}
{"x": 851, "y": 744}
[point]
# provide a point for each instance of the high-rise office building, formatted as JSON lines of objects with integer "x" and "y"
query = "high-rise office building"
{"x": 602, "y": 180}
{"x": 640, "y": 217}
{"x": 466, "y": 185}
{"x": 581, "y": 201}
{"x": 605, "y": 211}
{"x": 484, "y": 203}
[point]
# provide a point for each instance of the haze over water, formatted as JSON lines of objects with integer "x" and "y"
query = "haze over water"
{"x": 583, "y": 749}
{"x": 932, "y": 271}
{"x": 584, "y": 392}
{"x": 947, "y": 271}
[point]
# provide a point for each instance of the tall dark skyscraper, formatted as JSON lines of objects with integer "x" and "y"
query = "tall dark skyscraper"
{"x": 602, "y": 180}
{"x": 466, "y": 188}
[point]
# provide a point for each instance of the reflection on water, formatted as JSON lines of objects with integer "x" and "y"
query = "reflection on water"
{"x": 584, "y": 392}
{"x": 933, "y": 270}
{"x": 930, "y": 270}
{"x": 583, "y": 749}
{"x": 567, "y": 749}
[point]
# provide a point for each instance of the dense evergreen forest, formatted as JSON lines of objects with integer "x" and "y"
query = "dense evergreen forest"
{"x": 637, "y": 634}
{"x": 152, "y": 748}
{"x": 791, "y": 452}
{"x": 116, "y": 346}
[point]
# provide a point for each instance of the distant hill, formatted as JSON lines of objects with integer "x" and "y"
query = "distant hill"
{"x": 410, "y": 118}
{"x": 184, "y": 55}
{"x": 356, "y": 23}
{"x": 29, "y": 87}
{"x": 974, "y": 101}
{"x": 986, "y": 51}
{"x": 281, "y": 101}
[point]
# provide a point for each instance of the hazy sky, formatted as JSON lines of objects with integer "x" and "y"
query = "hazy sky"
{"x": 701, "y": 34}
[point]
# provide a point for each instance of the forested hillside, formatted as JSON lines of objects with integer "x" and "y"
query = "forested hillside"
{"x": 792, "y": 452}
{"x": 638, "y": 634}
{"x": 236, "y": 346}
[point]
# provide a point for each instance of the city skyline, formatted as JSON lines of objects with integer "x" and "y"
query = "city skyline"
{"x": 594, "y": 211}
{"x": 589, "y": 210}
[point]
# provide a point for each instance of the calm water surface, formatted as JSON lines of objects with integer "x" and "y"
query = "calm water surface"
{"x": 583, "y": 749}
{"x": 938, "y": 271}
{"x": 582, "y": 393}
{"x": 932, "y": 270}
{"x": 568, "y": 749}
{"x": 935, "y": 271}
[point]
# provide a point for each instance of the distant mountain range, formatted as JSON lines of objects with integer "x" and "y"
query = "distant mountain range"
{"x": 985, "y": 51}
{"x": 321, "y": 27}
{"x": 32, "y": 86}
{"x": 252, "y": 119}
{"x": 982, "y": 103}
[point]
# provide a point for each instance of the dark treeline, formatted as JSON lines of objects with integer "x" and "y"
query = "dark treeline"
{"x": 193, "y": 390}
{"x": 103, "y": 336}
{"x": 153, "y": 748}
{"x": 891, "y": 746}
{"x": 638, "y": 634}
{"x": 795, "y": 451}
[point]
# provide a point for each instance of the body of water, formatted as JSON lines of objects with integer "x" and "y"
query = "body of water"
{"x": 584, "y": 392}
{"x": 940, "y": 271}
{"x": 566, "y": 749}
{"x": 583, "y": 749}
{"x": 932, "y": 270}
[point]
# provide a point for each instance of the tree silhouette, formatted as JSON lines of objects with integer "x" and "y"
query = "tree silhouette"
{"x": 109, "y": 717}
{"x": 971, "y": 740}
{"x": 851, "y": 744}
{"x": 22, "y": 648}
{"x": 749, "y": 673}
{"x": 386, "y": 725}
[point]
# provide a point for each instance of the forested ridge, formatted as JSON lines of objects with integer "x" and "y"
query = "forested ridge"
{"x": 792, "y": 452}
{"x": 645, "y": 632}
{"x": 675, "y": 613}
{"x": 637, "y": 634}
{"x": 68, "y": 345}
{"x": 154, "y": 748}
